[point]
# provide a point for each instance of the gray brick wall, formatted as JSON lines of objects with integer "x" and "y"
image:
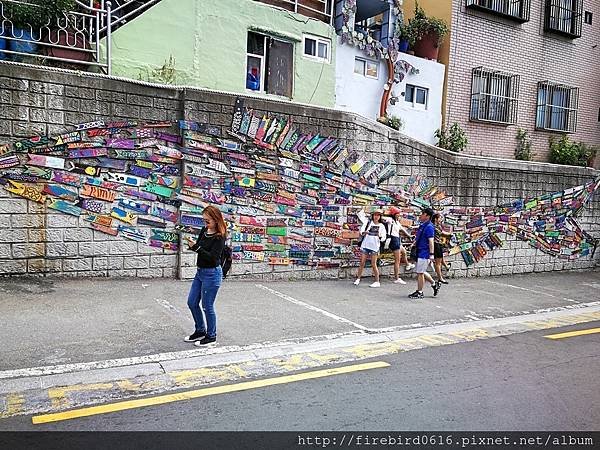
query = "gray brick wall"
{"x": 35, "y": 241}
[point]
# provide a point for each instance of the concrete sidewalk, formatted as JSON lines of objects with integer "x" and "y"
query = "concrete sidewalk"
{"x": 70, "y": 321}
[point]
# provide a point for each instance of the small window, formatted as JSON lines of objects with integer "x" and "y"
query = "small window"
{"x": 517, "y": 10}
{"x": 588, "y": 17}
{"x": 316, "y": 48}
{"x": 266, "y": 55}
{"x": 494, "y": 96}
{"x": 366, "y": 68}
{"x": 564, "y": 17}
{"x": 557, "y": 106}
{"x": 416, "y": 95}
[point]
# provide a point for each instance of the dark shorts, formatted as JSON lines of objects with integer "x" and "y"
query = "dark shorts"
{"x": 438, "y": 250}
{"x": 395, "y": 243}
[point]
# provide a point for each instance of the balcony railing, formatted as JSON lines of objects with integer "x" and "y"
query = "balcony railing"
{"x": 317, "y": 9}
{"x": 80, "y": 39}
{"x": 517, "y": 10}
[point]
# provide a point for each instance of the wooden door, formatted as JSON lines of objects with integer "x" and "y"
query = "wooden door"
{"x": 281, "y": 68}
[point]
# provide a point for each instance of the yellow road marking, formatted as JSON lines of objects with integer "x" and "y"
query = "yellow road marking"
{"x": 139, "y": 403}
{"x": 573, "y": 333}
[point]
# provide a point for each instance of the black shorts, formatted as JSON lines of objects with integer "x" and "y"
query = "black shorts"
{"x": 395, "y": 243}
{"x": 438, "y": 250}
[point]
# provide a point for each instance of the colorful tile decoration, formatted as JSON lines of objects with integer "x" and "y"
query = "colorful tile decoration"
{"x": 289, "y": 198}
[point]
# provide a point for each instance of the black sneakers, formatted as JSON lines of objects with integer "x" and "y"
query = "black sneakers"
{"x": 436, "y": 288}
{"x": 206, "y": 340}
{"x": 416, "y": 294}
{"x": 195, "y": 336}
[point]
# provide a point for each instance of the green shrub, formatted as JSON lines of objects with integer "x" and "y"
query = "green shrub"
{"x": 570, "y": 153}
{"x": 420, "y": 25}
{"x": 453, "y": 138}
{"x": 523, "y": 151}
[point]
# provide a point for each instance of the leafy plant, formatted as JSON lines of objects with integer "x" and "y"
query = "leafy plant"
{"x": 523, "y": 151}
{"x": 453, "y": 138}
{"x": 394, "y": 122}
{"x": 570, "y": 153}
{"x": 420, "y": 25}
{"x": 36, "y": 13}
{"x": 166, "y": 74}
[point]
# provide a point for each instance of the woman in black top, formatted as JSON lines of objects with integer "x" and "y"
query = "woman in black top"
{"x": 209, "y": 246}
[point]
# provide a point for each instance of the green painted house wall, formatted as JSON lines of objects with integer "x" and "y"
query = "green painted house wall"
{"x": 207, "y": 40}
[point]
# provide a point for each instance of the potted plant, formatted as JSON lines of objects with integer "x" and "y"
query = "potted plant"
{"x": 66, "y": 33}
{"x": 426, "y": 34}
{"x": 402, "y": 35}
{"x": 27, "y": 20}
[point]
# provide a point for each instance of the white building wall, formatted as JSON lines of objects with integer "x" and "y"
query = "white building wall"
{"x": 362, "y": 95}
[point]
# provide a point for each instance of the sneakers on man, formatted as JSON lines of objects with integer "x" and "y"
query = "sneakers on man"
{"x": 416, "y": 294}
{"x": 399, "y": 281}
{"x": 376, "y": 284}
{"x": 410, "y": 266}
{"x": 436, "y": 288}
{"x": 357, "y": 282}
{"x": 195, "y": 336}
{"x": 206, "y": 340}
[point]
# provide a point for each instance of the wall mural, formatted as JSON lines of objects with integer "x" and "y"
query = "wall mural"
{"x": 290, "y": 198}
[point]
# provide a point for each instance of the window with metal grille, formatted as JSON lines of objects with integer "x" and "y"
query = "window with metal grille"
{"x": 512, "y": 9}
{"x": 556, "y": 107}
{"x": 494, "y": 96}
{"x": 564, "y": 17}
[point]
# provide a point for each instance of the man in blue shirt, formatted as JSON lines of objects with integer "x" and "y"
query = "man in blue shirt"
{"x": 424, "y": 243}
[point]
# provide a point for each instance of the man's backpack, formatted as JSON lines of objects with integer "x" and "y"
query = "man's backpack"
{"x": 226, "y": 260}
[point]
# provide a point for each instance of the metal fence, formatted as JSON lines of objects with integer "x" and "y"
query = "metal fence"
{"x": 30, "y": 31}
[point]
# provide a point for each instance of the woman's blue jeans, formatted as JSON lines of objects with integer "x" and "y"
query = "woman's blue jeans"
{"x": 204, "y": 290}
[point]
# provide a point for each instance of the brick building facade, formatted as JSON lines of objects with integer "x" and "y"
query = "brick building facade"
{"x": 514, "y": 55}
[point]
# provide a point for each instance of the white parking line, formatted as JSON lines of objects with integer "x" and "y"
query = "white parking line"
{"x": 532, "y": 290}
{"x": 312, "y": 308}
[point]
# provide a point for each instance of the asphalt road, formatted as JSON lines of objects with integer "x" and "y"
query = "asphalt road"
{"x": 517, "y": 382}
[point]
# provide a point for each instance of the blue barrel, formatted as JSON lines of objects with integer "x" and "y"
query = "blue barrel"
{"x": 26, "y": 46}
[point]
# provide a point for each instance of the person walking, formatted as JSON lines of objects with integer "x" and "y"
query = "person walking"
{"x": 209, "y": 246}
{"x": 396, "y": 243}
{"x": 425, "y": 248}
{"x": 438, "y": 248}
{"x": 373, "y": 233}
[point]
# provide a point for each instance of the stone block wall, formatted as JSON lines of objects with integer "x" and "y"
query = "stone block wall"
{"x": 35, "y": 240}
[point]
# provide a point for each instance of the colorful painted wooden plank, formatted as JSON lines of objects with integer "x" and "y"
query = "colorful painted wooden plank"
{"x": 62, "y": 206}
{"x": 134, "y": 206}
{"x": 134, "y": 234}
{"x": 104, "y": 229}
{"x": 123, "y": 178}
{"x": 60, "y": 192}
{"x": 49, "y": 161}
{"x": 151, "y": 223}
{"x": 121, "y": 124}
{"x": 173, "y": 246}
{"x": 9, "y": 161}
{"x": 84, "y": 145}
{"x": 68, "y": 138}
{"x": 34, "y": 141}
{"x": 163, "y": 213}
{"x": 279, "y": 261}
{"x": 5, "y": 149}
{"x": 24, "y": 190}
{"x": 109, "y": 163}
{"x": 191, "y": 221}
{"x": 98, "y": 192}
{"x": 91, "y": 205}
{"x": 86, "y": 153}
{"x": 168, "y": 152}
{"x": 165, "y": 236}
{"x": 164, "y": 180}
{"x": 97, "y": 219}
{"x": 90, "y": 125}
{"x": 159, "y": 190}
{"x": 122, "y": 215}
{"x": 140, "y": 172}
{"x": 131, "y": 154}
{"x": 200, "y": 127}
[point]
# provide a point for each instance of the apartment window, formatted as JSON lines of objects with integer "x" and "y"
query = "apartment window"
{"x": 588, "y": 17}
{"x": 494, "y": 96}
{"x": 564, "y": 17}
{"x": 269, "y": 65}
{"x": 512, "y": 9}
{"x": 556, "y": 107}
{"x": 366, "y": 68}
{"x": 416, "y": 96}
{"x": 316, "y": 48}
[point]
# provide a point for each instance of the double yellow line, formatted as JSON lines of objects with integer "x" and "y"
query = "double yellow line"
{"x": 160, "y": 400}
